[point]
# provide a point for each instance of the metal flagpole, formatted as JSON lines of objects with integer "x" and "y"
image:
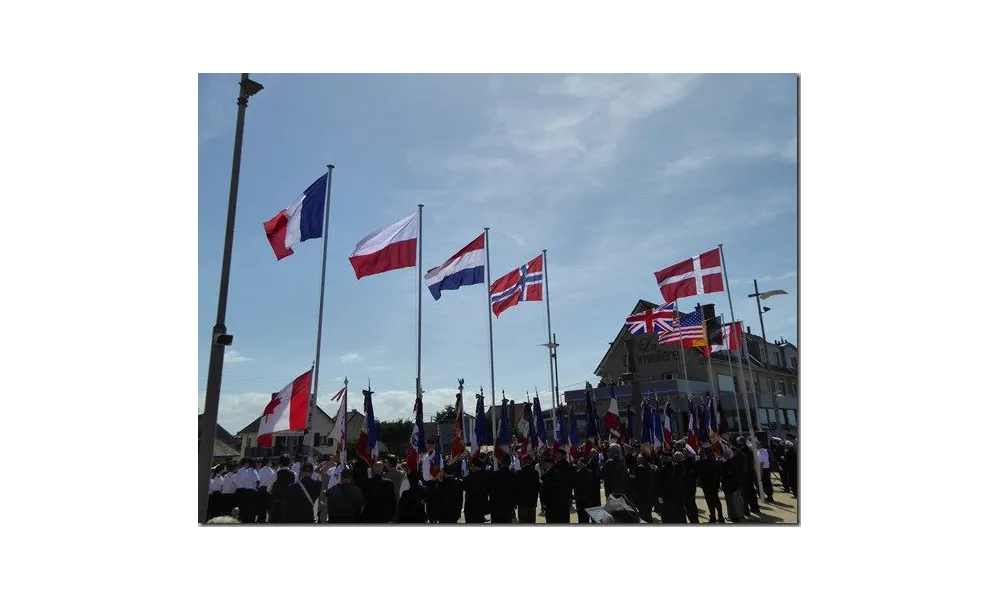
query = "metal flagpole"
{"x": 746, "y": 405}
{"x": 729, "y": 357}
{"x": 548, "y": 338}
{"x": 420, "y": 295}
{"x": 680, "y": 342}
{"x": 220, "y": 338}
{"x": 555, "y": 363}
{"x": 307, "y": 442}
{"x": 708, "y": 352}
{"x": 763, "y": 337}
{"x": 489, "y": 318}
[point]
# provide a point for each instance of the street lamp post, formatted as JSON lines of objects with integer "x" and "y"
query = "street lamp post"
{"x": 220, "y": 338}
{"x": 760, "y": 314}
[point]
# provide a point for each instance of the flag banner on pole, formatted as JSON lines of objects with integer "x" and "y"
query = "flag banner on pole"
{"x": 523, "y": 284}
{"x": 732, "y": 338}
{"x": 573, "y": 436}
{"x": 339, "y": 431}
{"x": 465, "y": 267}
{"x": 651, "y": 320}
{"x": 611, "y": 423}
{"x": 647, "y": 424}
{"x": 390, "y": 248}
{"x": 417, "y": 444}
{"x": 368, "y": 440}
{"x": 694, "y": 276}
{"x": 668, "y": 433}
{"x": 657, "y": 428}
{"x": 692, "y": 436}
{"x": 479, "y": 433}
{"x": 502, "y": 446}
{"x": 541, "y": 435}
{"x": 689, "y": 329}
{"x": 559, "y": 437}
{"x": 458, "y": 441}
{"x": 287, "y": 409}
{"x": 593, "y": 435}
{"x": 301, "y": 221}
{"x": 524, "y": 422}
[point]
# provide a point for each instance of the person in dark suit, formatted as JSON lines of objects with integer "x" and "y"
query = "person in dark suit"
{"x": 791, "y": 468}
{"x": 730, "y": 483}
{"x": 450, "y": 494}
{"x": 671, "y": 483}
{"x": 527, "y": 485}
{"x": 557, "y": 482}
{"x": 300, "y": 501}
{"x": 748, "y": 477}
{"x": 583, "y": 491}
{"x": 283, "y": 479}
{"x": 594, "y": 465}
{"x": 477, "y": 492}
{"x": 614, "y": 472}
{"x": 413, "y": 501}
{"x": 709, "y": 477}
{"x": 380, "y": 499}
{"x": 344, "y": 501}
{"x": 502, "y": 493}
{"x": 641, "y": 488}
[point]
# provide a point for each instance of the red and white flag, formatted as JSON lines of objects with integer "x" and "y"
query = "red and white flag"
{"x": 732, "y": 338}
{"x": 394, "y": 247}
{"x": 611, "y": 423}
{"x": 695, "y": 276}
{"x": 287, "y": 410}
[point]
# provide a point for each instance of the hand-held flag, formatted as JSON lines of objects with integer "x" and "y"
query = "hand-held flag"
{"x": 479, "y": 434}
{"x": 694, "y": 276}
{"x": 367, "y": 441}
{"x": 502, "y": 446}
{"x": 611, "y": 422}
{"x": 542, "y": 437}
{"x": 458, "y": 443}
{"x": 417, "y": 443}
{"x": 387, "y": 249}
{"x": 301, "y": 221}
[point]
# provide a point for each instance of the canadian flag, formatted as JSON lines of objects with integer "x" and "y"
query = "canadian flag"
{"x": 287, "y": 409}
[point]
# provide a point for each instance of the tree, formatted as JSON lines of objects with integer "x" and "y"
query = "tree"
{"x": 395, "y": 434}
{"x": 448, "y": 413}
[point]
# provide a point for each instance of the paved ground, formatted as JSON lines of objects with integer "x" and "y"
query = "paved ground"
{"x": 784, "y": 509}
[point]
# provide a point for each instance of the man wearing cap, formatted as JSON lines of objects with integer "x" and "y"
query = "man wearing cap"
{"x": 709, "y": 475}
{"x": 215, "y": 493}
{"x": 748, "y": 477}
{"x": 344, "y": 500}
{"x": 450, "y": 494}
{"x": 641, "y": 488}
{"x": 380, "y": 500}
{"x": 583, "y": 491}
{"x": 614, "y": 474}
{"x": 412, "y": 506}
{"x": 502, "y": 493}
{"x": 283, "y": 480}
{"x": 557, "y": 487}
{"x": 671, "y": 488}
{"x": 229, "y": 498}
{"x": 791, "y": 467}
{"x": 300, "y": 502}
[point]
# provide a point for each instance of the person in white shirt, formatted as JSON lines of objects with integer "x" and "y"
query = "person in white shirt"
{"x": 296, "y": 466}
{"x": 247, "y": 491}
{"x": 228, "y": 491}
{"x": 215, "y": 492}
{"x": 265, "y": 475}
{"x": 764, "y": 456}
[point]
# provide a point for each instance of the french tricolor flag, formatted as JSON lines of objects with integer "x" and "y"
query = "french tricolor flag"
{"x": 466, "y": 267}
{"x": 301, "y": 221}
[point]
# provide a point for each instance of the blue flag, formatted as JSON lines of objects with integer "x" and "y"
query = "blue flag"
{"x": 543, "y": 438}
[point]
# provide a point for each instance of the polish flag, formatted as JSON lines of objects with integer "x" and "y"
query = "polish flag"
{"x": 287, "y": 409}
{"x": 301, "y": 221}
{"x": 394, "y": 247}
{"x": 694, "y": 276}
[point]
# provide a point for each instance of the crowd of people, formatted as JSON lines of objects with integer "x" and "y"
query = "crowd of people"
{"x": 507, "y": 488}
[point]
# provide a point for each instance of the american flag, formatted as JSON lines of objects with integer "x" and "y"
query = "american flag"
{"x": 690, "y": 326}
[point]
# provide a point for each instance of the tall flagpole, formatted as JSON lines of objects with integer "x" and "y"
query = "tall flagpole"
{"x": 489, "y": 318}
{"x": 420, "y": 294}
{"x": 548, "y": 338}
{"x": 680, "y": 341}
{"x": 708, "y": 352}
{"x": 307, "y": 442}
{"x": 732, "y": 373}
{"x": 746, "y": 405}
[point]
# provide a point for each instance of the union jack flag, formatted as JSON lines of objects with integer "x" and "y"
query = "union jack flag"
{"x": 652, "y": 320}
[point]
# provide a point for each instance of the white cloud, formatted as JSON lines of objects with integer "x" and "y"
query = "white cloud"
{"x": 350, "y": 357}
{"x": 234, "y": 356}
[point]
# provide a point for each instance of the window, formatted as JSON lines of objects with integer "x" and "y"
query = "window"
{"x": 790, "y": 416}
{"x": 795, "y": 391}
{"x": 316, "y": 439}
{"x": 756, "y": 386}
{"x": 781, "y": 387}
{"x": 777, "y": 360}
{"x": 726, "y": 383}
{"x": 795, "y": 363}
{"x": 770, "y": 386}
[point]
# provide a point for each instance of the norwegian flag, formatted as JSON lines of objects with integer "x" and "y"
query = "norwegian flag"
{"x": 694, "y": 276}
{"x": 651, "y": 320}
{"x": 417, "y": 443}
{"x": 523, "y": 284}
{"x": 368, "y": 440}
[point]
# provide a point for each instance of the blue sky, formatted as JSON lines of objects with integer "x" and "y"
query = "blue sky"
{"x": 617, "y": 176}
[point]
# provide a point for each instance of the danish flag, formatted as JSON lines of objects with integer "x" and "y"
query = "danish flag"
{"x": 694, "y": 276}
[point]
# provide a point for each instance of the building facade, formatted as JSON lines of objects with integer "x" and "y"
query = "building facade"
{"x": 765, "y": 381}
